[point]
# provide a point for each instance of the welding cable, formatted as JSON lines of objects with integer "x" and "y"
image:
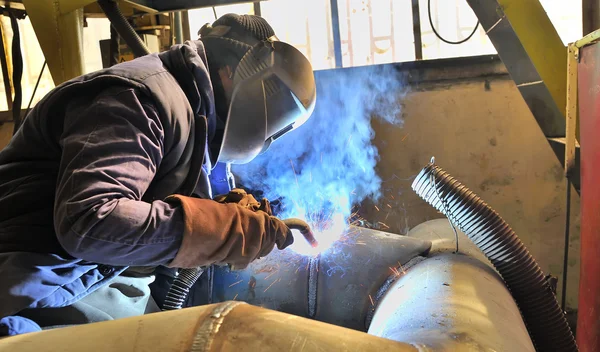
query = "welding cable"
{"x": 541, "y": 312}
{"x": 125, "y": 30}
{"x": 17, "y": 74}
{"x": 439, "y": 35}
{"x": 37, "y": 83}
{"x": 563, "y": 298}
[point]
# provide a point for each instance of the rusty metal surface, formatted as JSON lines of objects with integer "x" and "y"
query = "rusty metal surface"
{"x": 344, "y": 285}
{"x": 588, "y": 322}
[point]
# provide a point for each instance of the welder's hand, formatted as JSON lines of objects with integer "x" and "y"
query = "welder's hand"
{"x": 242, "y": 198}
{"x": 226, "y": 233}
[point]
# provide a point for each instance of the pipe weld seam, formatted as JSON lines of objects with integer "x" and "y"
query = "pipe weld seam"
{"x": 209, "y": 328}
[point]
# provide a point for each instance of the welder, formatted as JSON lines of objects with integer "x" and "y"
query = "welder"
{"x": 111, "y": 175}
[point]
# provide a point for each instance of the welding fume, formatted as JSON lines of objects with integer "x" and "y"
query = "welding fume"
{"x": 102, "y": 209}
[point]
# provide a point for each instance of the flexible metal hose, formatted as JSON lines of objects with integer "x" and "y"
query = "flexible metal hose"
{"x": 545, "y": 320}
{"x": 180, "y": 288}
{"x": 125, "y": 30}
{"x": 186, "y": 278}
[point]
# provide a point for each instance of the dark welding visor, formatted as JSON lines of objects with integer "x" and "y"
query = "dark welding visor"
{"x": 273, "y": 93}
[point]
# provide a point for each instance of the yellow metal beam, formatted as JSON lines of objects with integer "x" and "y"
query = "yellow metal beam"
{"x": 571, "y": 109}
{"x": 66, "y": 6}
{"x": 58, "y": 25}
{"x": 588, "y": 39}
{"x": 542, "y": 44}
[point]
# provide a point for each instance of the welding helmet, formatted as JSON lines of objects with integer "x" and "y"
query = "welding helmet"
{"x": 274, "y": 92}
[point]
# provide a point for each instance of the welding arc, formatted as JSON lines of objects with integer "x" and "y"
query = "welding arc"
{"x": 304, "y": 228}
{"x": 541, "y": 312}
{"x": 440, "y": 36}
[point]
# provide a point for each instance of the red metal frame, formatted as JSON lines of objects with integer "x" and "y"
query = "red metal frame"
{"x": 588, "y": 322}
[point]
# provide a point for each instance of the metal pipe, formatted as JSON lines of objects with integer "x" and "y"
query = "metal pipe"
{"x": 337, "y": 37}
{"x": 229, "y": 326}
{"x": 338, "y": 286}
{"x": 177, "y": 22}
{"x": 451, "y": 302}
{"x": 494, "y": 237}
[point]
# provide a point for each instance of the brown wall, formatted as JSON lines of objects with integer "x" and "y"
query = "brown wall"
{"x": 483, "y": 134}
{"x": 488, "y": 140}
{"x": 6, "y": 130}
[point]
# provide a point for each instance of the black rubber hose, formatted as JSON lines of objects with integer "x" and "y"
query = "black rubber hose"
{"x": 180, "y": 288}
{"x": 17, "y": 58}
{"x": 133, "y": 40}
{"x": 524, "y": 278}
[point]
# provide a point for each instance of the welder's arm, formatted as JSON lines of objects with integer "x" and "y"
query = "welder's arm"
{"x": 111, "y": 151}
{"x": 226, "y": 233}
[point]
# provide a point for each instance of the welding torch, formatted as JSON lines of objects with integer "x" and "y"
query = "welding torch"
{"x": 304, "y": 228}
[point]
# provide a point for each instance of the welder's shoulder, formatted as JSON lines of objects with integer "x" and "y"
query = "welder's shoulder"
{"x": 114, "y": 100}
{"x": 116, "y": 108}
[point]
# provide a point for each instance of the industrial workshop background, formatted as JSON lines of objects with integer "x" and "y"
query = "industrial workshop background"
{"x": 460, "y": 105}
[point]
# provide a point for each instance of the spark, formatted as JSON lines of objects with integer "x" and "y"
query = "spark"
{"x": 382, "y": 224}
{"x": 235, "y": 283}
{"x": 376, "y": 207}
{"x": 328, "y": 228}
{"x": 349, "y": 139}
{"x": 234, "y": 297}
{"x": 272, "y": 283}
{"x": 271, "y": 274}
{"x": 371, "y": 298}
{"x": 389, "y": 206}
{"x": 405, "y": 137}
{"x": 401, "y": 268}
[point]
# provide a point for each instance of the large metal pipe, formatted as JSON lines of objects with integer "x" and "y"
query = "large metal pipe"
{"x": 229, "y": 326}
{"x": 494, "y": 237}
{"x": 449, "y": 301}
{"x": 340, "y": 286}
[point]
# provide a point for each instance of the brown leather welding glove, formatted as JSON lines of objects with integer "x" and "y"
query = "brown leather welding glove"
{"x": 241, "y": 197}
{"x": 217, "y": 233}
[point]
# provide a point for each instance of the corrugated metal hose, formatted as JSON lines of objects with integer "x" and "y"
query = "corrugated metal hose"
{"x": 546, "y": 323}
